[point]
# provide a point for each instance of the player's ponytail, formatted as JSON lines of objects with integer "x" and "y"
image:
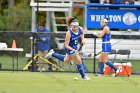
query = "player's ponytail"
{"x": 71, "y": 19}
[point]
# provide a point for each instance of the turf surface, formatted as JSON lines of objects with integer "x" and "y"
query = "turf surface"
{"x": 47, "y": 82}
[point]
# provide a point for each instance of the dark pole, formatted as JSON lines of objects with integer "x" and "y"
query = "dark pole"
{"x": 37, "y": 22}
{"x": 33, "y": 63}
{"x": 34, "y": 40}
{"x": 37, "y": 13}
{"x": 94, "y": 62}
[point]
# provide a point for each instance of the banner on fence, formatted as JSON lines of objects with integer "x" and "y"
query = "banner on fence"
{"x": 117, "y": 18}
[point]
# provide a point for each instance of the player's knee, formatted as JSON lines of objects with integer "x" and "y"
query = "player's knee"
{"x": 78, "y": 61}
{"x": 100, "y": 60}
{"x": 105, "y": 61}
{"x": 67, "y": 60}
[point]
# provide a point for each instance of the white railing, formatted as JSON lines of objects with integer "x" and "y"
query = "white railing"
{"x": 52, "y": 3}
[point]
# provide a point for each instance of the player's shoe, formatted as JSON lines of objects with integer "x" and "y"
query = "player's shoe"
{"x": 43, "y": 69}
{"x": 86, "y": 78}
{"x": 49, "y": 54}
{"x": 99, "y": 75}
{"x": 40, "y": 69}
{"x": 116, "y": 72}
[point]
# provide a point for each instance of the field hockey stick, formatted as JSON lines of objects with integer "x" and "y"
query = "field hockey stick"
{"x": 115, "y": 42}
{"x": 79, "y": 49}
{"x": 111, "y": 45}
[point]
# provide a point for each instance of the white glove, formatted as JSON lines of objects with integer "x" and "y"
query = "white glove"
{"x": 42, "y": 39}
{"x": 94, "y": 33}
{"x": 76, "y": 52}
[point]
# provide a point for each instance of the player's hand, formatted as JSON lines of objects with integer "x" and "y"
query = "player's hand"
{"x": 42, "y": 39}
{"x": 83, "y": 43}
{"x": 94, "y": 33}
{"x": 76, "y": 52}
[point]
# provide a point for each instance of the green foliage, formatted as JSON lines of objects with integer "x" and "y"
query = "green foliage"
{"x": 3, "y": 25}
{"x": 16, "y": 18}
{"x": 78, "y": 14}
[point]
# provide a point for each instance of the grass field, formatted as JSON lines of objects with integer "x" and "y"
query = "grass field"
{"x": 46, "y": 82}
{"x": 56, "y": 82}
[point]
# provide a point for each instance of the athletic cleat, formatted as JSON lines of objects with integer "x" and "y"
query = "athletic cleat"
{"x": 40, "y": 69}
{"x": 116, "y": 72}
{"x": 86, "y": 78}
{"x": 99, "y": 75}
{"x": 49, "y": 53}
{"x": 43, "y": 69}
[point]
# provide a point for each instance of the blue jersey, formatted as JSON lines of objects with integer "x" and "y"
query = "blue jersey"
{"x": 106, "y": 38}
{"x": 44, "y": 45}
{"x": 74, "y": 40}
{"x": 106, "y": 45}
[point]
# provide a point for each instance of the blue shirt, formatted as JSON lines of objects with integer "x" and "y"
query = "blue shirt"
{"x": 44, "y": 45}
{"x": 118, "y": 1}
